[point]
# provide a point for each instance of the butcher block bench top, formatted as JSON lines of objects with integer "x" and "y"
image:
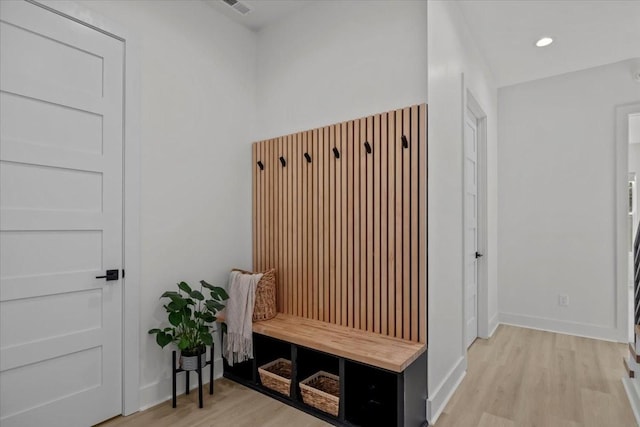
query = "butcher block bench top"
{"x": 385, "y": 352}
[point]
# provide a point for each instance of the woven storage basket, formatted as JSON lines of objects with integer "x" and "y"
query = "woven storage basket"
{"x": 265, "y": 302}
{"x": 276, "y": 375}
{"x": 322, "y": 391}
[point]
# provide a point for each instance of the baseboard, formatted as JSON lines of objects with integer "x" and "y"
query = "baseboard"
{"x": 160, "y": 391}
{"x": 440, "y": 397}
{"x": 633, "y": 394}
{"x": 493, "y": 325}
{"x": 563, "y": 327}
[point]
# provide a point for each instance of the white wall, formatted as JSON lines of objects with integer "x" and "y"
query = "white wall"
{"x": 197, "y": 113}
{"x": 335, "y": 61}
{"x": 453, "y": 52}
{"x": 634, "y": 129}
{"x": 557, "y": 202}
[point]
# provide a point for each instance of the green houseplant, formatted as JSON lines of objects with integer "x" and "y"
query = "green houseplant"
{"x": 191, "y": 316}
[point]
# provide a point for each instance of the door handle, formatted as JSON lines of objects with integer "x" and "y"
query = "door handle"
{"x": 110, "y": 275}
{"x": 479, "y": 255}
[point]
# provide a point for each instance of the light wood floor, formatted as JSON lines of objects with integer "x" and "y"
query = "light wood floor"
{"x": 518, "y": 378}
{"x": 525, "y": 378}
{"x": 232, "y": 405}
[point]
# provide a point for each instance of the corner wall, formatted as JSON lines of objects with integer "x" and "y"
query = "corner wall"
{"x": 334, "y": 61}
{"x": 452, "y": 53}
{"x": 197, "y": 115}
{"x": 557, "y": 202}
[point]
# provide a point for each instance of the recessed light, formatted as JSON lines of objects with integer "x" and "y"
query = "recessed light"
{"x": 545, "y": 41}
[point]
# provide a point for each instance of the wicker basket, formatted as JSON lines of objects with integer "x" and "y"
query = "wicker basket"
{"x": 276, "y": 375}
{"x": 265, "y": 302}
{"x": 322, "y": 391}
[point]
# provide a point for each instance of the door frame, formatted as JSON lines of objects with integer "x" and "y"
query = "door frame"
{"x": 131, "y": 189}
{"x": 471, "y": 105}
{"x": 621, "y": 229}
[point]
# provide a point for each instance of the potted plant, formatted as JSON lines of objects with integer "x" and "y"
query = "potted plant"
{"x": 191, "y": 316}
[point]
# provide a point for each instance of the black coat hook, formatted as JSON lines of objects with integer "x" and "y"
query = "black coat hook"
{"x": 367, "y": 146}
{"x": 336, "y": 152}
{"x": 261, "y": 165}
{"x": 308, "y": 157}
{"x": 405, "y": 143}
{"x": 283, "y": 161}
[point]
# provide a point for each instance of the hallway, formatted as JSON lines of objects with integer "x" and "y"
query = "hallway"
{"x": 525, "y": 377}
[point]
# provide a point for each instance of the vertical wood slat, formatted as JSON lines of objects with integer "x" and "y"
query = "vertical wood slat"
{"x": 406, "y": 227}
{"x": 266, "y": 185}
{"x": 415, "y": 235}
{"x": 321, "y": 233}
{"x": 282, "y": 217}
{"x": 347, "y": 236}
{"x": 375, "y": 206}
{"x": 293, "y": 235}
{"x": 309, "y": 220}
{"x": 363, "y": 226}
{"x": 317, "y": 229}
{"x": 304, "y": 255}
{"x": 357, "y": 156}
{"x": 286, "y": 235}
{"x": 326, "y": 262}
{"x": 266, "y": 182}
{"x": 383, "y": 251}
{"x": 338, "y": 225}
{"x": 391, "y": 229}
{"x": 256, "y": 205}
{"x": 270, "y": 186}
{"x": 345, "y": 159}
{"x": 422, "y": 222}
{"x": 288, "y": 229}
{"x": 274, "y": 241}
{"x": 370, "y": 234}
{"x": 300, "y": 283}
{"x": 349, "y": 162}
{"x": 397, "y": 147}
{"x": 254, "y": 201}
{"x": 331, "y": 255}
{"x": 286, "y": 221}
{"x": 293, "y": 219}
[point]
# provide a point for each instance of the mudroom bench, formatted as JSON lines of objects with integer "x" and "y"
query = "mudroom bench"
{"x": 382, "y": 379}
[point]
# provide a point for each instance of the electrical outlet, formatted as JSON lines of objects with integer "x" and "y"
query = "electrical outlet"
{"x": 563, "y": 300}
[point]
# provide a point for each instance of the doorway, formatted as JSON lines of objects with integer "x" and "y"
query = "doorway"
{"x": 633, "y": 165}
{"x": 626, "y": 211}
{"x": 474, "y": 222}
{"x": 63, "y": 219}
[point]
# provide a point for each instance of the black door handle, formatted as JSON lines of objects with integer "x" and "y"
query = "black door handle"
{"x": 110, "y": 275}
{"x": 479, "y": 255}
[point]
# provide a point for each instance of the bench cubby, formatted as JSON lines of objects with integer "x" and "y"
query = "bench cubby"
{"x": 245, "y": 371}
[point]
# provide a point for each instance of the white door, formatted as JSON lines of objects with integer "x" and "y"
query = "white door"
{"x": 471, "y": 228}
{"x": 61, "y": 126}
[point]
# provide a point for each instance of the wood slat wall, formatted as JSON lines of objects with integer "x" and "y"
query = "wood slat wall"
{"x": 347, "y": 234}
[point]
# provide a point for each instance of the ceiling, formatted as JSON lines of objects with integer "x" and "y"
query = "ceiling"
{"x": 262, "y": 13}
{"x": 586, "y": 33}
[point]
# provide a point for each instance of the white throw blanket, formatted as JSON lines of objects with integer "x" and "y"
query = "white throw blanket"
{"x": 237, "y": 345}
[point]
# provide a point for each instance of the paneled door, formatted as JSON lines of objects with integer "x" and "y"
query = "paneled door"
{"x": 61, "y": 127}
{"x": 471, "y": 254}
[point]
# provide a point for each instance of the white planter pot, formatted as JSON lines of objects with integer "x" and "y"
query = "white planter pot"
{"x": 190, "y": 363}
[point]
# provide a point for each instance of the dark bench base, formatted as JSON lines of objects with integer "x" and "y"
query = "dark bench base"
{"x": 369, "y": 395}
